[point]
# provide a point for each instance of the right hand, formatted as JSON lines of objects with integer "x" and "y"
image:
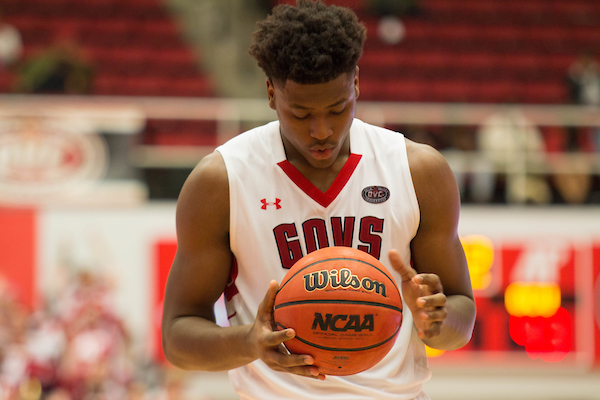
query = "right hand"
{"x": 267, "y": 341}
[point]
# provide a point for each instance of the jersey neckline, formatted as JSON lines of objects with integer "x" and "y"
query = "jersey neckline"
{"x": 323, "y": 198}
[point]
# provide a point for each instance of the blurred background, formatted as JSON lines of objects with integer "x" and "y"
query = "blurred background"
{"x": 107, "y": 105}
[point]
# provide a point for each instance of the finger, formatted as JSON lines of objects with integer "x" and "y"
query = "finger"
{"x": 309, "y": 372}
{"x": 406, "y": 272}
{"x": 433, "y": 330}
{"x": 432, "y": 281}
{"x": 434, "y": 300}
{"x": 292, "y": 360}
{"x": 276, "y": 338}
{"x": 437, "y": 315}
{"x": 266, "y": 306}
{"x": 302, "y": 369}
{"x": 296, "y": 364}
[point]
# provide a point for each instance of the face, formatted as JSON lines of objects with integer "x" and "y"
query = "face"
{"x": 315, "y": 119}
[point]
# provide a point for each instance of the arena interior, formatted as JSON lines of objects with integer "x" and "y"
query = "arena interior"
{"x": 107, "y": 105}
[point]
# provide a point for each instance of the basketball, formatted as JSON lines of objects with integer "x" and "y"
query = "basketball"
{"x": 344, "y": 306}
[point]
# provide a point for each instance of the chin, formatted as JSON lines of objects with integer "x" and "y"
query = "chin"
{"x": 322, "y": 164}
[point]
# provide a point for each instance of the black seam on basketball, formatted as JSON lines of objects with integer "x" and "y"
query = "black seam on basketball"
{"x": 336, "y": 259}
{"x": 323, "y": 301}
{"x": 316, "y": 346}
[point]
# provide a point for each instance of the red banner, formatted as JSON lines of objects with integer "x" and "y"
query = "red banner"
{"x": 18, "y": 254}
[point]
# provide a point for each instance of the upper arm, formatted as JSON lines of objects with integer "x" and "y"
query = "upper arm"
{"x": 436, "y": 248}
{"x": 201, "y": 267}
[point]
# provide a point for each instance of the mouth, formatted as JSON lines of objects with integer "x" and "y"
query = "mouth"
{"x": 321, "y": 152}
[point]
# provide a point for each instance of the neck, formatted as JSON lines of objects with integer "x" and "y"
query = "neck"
{"x": 321, "y": 178}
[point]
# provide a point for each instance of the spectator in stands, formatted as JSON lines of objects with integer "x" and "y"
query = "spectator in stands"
{"x": 575, "y": 177}
{"x": 11, "y": 49}
{"x": 583, "y": 78}
{"x": 58, "y": 394}
{"x": 571, "y": 173}
{"x": 11, "y": 45}
{"x": 474, "y": 173}
{"x": 391, "y": 29}
{"x": 46, "y": 343}
{"x": 62, "y": 68}
{"x": 89, "y": 359}
{"x": 13, "y": 350}
{"x": 511, "y": 142}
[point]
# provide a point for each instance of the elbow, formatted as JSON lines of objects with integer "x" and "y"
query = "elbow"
{"x": 466, "y": 334}
{"x": 182, "y": 354}
{"x": 461, "y": 342}
{"x": 456, "y": 331}
{"x": 467, "y": 331}
{"x": 169, "y": 353}
{"x": 174, "y": 357}
{"x": 452, "y": 342}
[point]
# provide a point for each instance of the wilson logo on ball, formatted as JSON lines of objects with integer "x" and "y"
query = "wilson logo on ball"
{"x": 342, "y": 279}
{"x": 343, "y": 323}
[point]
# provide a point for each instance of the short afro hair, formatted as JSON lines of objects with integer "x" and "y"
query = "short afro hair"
{"x": 310, "y": 43}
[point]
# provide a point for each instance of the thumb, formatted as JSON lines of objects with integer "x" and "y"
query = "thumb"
{"x": 266, "y": 306}
{"x": 406, "y": 272}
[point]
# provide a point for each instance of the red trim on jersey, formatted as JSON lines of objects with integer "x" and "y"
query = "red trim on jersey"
{"x": 231, "y": 290}
{"x": 336, "y": 187}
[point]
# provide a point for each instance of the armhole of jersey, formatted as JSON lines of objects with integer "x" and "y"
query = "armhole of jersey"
{"x": 410, "y": 186}
{"x": 232, "y": 200}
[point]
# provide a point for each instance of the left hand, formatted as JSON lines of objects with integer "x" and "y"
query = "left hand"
{"x": 424, "y": 295}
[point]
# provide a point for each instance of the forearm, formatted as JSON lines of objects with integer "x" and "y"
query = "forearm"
{"x": 195, "y": 343}
{"x": 458, "y": 325}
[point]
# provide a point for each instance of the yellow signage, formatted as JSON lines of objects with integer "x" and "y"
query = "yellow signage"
{"x": 479, "y": 251}
{"x": 532, "y": 299}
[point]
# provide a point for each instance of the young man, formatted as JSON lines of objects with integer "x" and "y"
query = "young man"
{"x": 269, "y": 196}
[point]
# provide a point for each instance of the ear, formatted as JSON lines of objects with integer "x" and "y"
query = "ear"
{"x": 271, "y": 93}
{"x": 356, "y": 88}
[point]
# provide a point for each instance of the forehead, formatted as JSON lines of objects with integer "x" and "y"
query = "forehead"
{"x": 317, "y": 95}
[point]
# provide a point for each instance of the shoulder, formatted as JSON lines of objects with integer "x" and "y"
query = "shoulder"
{"x": 370, "y": 129}
{"x": 209, "y": 171}
{"x": 259, "y": 134}
{"x": 205, "y": 192}
{"x": 425, "y": 162}
{"x": 433, "y": 180}
{"x": 380, "y": 140}
{"x": 251, "y": 147}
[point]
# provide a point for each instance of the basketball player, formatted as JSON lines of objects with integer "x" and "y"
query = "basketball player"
{"x": 314, "y": 178}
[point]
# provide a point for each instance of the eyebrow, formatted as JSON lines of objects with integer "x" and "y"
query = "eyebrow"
{"x": 337, "y": 103}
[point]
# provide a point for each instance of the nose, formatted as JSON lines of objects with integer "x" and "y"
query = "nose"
{"x": 320, "y": 128}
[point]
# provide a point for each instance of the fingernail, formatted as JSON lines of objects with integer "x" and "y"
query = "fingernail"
{"x": 314, "y": 371}
{"x": 308, "y": 360}
{"x": 289, "y": 333}
{"x": 421, "y": 302}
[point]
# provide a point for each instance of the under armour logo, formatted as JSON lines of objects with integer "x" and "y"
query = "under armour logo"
{"x": 265, "y": 204}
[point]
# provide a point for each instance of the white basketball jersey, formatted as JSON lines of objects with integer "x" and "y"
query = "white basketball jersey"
{"x": 277, "y": 216}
